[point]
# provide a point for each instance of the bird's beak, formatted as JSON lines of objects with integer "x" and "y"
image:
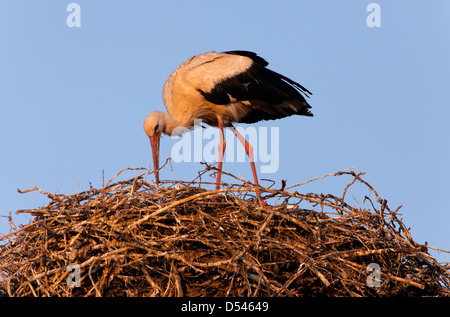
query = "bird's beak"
{"x": 154, "y": 141}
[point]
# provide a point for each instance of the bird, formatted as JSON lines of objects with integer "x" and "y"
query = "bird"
{"x": 222, "y": 88}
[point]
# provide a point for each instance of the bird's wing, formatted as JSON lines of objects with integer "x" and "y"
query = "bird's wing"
{"x": 206, "y": 70}
{"x": 249, "y": 92}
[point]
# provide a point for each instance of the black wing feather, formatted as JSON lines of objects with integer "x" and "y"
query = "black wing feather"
{"x": 271, "y": 95}
{"x": 257, "y": 59}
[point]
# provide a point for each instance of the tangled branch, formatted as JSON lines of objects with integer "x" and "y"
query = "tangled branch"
{"x": 131, "y": 238}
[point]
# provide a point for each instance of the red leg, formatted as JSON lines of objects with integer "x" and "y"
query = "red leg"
{"x": 249, "y": 151}
{"x": 222, "y": 145}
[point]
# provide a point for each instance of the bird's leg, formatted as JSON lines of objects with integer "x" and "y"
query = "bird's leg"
{"x": 222, "y": 145}
{"x": 249, "y": 151}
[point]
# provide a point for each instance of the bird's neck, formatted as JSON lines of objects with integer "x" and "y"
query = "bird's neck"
{"x": 174, "y": 126}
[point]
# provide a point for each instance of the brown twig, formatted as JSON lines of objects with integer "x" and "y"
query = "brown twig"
{"x": 132, "y": 238}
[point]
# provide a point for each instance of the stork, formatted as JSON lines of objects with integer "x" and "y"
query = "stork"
{"x": 222, "y": 88}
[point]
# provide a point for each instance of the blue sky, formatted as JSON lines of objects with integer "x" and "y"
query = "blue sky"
{"x": 73, "y": 100}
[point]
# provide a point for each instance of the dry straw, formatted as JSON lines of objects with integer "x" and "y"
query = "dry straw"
{"x": 131, "y": 238}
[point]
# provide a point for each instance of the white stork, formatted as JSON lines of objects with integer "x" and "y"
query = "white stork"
{"x": 222, "y": 88}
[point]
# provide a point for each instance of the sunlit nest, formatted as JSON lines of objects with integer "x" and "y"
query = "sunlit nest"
{"x": 132, "y": 238}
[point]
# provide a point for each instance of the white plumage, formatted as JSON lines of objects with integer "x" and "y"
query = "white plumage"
{"x": 221, "y": 88}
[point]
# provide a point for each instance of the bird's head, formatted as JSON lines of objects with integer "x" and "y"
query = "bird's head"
{"x": 154, "y": 126}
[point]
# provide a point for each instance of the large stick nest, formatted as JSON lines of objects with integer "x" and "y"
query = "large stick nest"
{"x": 131, "y": 238}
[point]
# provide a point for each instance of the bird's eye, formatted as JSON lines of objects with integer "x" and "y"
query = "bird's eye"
{"x": 156, "y": 127}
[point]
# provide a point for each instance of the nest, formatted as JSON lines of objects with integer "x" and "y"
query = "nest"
{"x": 131, "y": 238}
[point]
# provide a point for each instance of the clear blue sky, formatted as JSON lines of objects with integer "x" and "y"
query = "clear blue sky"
{"x": 73, "y": 100}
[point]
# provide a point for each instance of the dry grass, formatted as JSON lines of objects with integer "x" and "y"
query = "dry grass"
{"x": 131, "y": 238}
